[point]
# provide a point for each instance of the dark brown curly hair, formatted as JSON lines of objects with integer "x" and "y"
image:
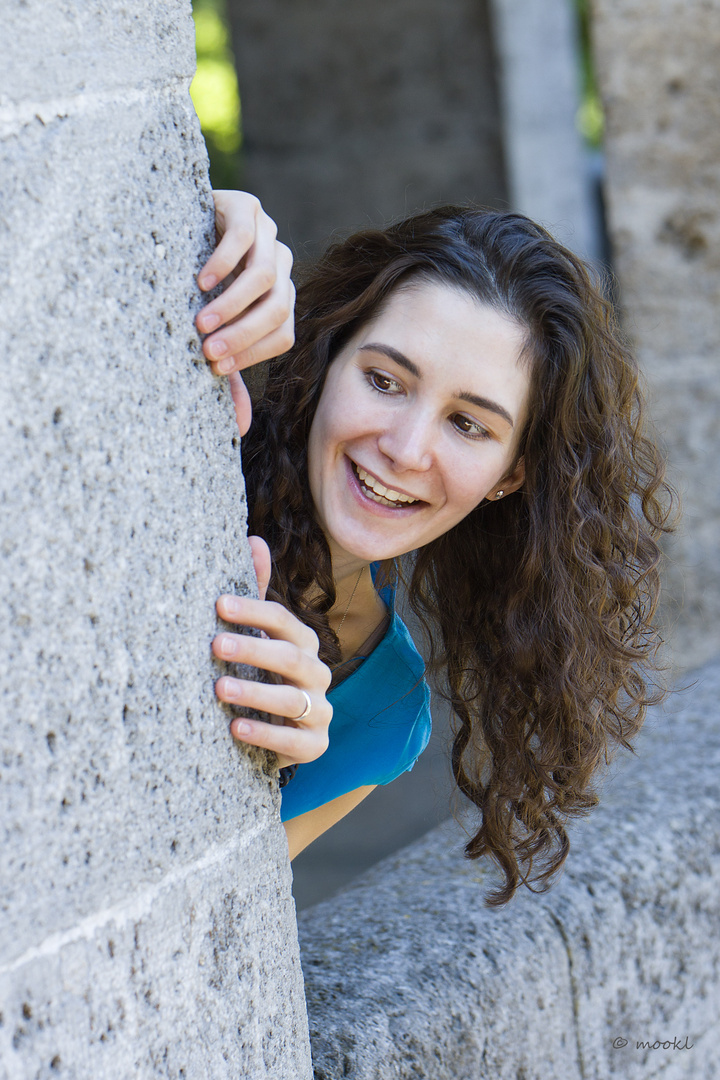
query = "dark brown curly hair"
{"x": 539, "y": 605}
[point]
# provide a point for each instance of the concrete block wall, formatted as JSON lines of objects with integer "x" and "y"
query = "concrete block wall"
{"x": 613, "y": 973}
{"x": 146, "y": 922}
{"x": 660, "y": 81}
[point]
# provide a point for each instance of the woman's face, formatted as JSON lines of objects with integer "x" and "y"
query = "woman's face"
{"x": 419, "y": 420}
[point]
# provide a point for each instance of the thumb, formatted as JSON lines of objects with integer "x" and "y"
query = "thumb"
{"x": 262, "y": 562}
{"x": 241, "y": 401}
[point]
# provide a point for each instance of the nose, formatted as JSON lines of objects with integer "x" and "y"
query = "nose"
{"x": 408, "y": 442}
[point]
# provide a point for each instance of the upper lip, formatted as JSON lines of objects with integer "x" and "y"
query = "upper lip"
{"x": 389, "y": 487}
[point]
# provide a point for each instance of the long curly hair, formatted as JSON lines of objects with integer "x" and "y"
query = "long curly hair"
{"x": 539, "y": 606}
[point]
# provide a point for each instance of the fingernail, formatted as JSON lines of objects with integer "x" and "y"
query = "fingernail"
{"x": 232, "y": 604}
{"x": 208, "y": 282}
{"x": 226, "y": 366}
{"x": 210, "y": 321}
{"x": 218, "y": 348}
{"x": 232, "y": 689}
{"x": 226, "y": 645}
{"x": 242, "y": 728}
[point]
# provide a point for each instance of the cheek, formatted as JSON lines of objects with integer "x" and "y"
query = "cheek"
{"x": 469, "y": 484}
{"x": 467, "y": 481}
{"x": 465, "y": 497}
{"x": 338, "y": 424}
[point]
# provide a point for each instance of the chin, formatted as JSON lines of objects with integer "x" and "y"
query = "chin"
{"x": 368, "y": 550}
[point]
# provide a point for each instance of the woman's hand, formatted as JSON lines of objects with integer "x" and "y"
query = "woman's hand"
{"x": 287, "y": 648}
{"x": 252, "y": 320}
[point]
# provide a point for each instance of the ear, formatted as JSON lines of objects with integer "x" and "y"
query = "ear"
{"x": 509, "y": 483}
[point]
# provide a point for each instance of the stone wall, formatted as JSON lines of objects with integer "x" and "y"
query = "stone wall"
{"x": 147, "y": 926}
{"x": 659, "y": 74}
{"x": 622, "y": 952}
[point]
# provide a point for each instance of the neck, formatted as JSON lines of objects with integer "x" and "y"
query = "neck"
{"x": 357, "y": 611}
{"x": 346, "y": 568}
{"x": 349, "y": 592}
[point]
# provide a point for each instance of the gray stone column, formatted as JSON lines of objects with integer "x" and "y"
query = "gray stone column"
{"x": 355, "y": 113}
{"x": 548, "y": 167}
{"x": 147, "y": 926}
{"x": 658, "y": 69}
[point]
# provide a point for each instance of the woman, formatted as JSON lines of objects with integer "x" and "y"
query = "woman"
{"x": 459, "y": 395}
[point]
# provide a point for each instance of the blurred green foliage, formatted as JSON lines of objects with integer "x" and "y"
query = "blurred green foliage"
{"x": 590, "y": 117}
{"x": 214, "y": 92}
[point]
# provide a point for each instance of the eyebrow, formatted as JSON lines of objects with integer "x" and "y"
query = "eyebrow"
{"x": 472, "y": 399}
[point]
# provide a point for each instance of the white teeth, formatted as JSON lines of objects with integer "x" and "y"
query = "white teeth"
{"x": 378, "y": 492}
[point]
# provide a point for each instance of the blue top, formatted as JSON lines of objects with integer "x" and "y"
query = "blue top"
{"x": 380, "y": 725}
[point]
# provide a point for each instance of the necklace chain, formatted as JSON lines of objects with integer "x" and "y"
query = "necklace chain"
{"x": 352, "y": 595}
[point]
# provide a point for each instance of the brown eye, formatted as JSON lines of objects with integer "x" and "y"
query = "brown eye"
{"x": 469, "y": 427}
{"x": 383, "y": 383}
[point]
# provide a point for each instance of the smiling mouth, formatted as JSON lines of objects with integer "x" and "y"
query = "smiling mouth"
{"x": 373, "y": 489}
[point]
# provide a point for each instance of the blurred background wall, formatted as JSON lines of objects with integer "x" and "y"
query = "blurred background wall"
{"x": 353, "y": 113}
{"x": 356, "y": 114}
{"x": 658, "y": 68}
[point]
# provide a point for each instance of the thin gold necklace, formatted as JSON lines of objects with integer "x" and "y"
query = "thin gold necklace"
{"x": 352, "y": 595}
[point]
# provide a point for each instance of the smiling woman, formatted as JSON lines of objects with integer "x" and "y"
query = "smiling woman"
{"x": 438, "y": 391}
{"x": 460, "y": 410}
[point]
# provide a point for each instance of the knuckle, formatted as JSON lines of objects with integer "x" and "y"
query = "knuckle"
{"x": 325, "y": 714}
{"x": 283, "y": 308}
{"x": 248, "y": 357}
{"x": 292, "y": 660}
{"x": 297, "y": 746}
{"x": 280, "y": 614}
{"x": 239, "y": 338}
{"x": 284, "y": 256}
{"x": 264, "y": 277}
{"x": 286, "y": 339}
{"x": 305, "y": 750}
{"x": 276, "y": 312}
{"x": 324, "y": 676}
{"x": 243, "y": 234}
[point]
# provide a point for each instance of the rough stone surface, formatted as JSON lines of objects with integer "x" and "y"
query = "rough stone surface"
{"x": 660, "y": 79}
{"x": 357, "y": 113}
{"x": 624, "y": 949}
{"x": 147, "y": 926}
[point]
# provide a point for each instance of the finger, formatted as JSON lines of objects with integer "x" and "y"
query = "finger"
{"x": 241, "y": 402}
{"x": 262, "y": 561}
{"x": 269, "y": 314}
{"x": 275, "y": 344}
{"x": 284, "y": 658}
{"x": 275, "y": 619}
{"x": 289, "y": 743}
{"x": 236, "y": 219}
{"x": 280, "y": 699}
{"x": 267, "y": 262}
